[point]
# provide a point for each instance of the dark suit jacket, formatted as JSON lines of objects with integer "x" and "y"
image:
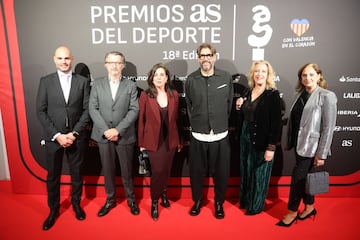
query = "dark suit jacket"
{"x": 209, "y": 101}
{"x": 149, "y": 121}
{"x": 120, "y": 113}
{"x": 57, "y": 116}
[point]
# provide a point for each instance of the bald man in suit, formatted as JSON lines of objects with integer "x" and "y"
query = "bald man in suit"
{"x": 62, "y": 108}
{"x": 114, "y": 108}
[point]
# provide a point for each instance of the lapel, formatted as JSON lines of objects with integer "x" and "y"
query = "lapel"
{"x": 154, "y": 107}
{"x": 107, "y": 91}
{"x": 309, "y": 107}
{"x": 73, "y": 87}
{"x": 119, "y": 91}
{"x": 170, "y": 107}
{"x": 57, "y": 88}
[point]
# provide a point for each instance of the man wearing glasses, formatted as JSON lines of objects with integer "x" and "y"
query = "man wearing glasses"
{"x": 209, "y": 94}
{"x": 113, "y": 107}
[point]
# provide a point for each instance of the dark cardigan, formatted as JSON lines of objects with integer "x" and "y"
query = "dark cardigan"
{"x": 266, "y": 128}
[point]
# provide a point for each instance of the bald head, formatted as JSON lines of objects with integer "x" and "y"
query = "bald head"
{"x": 63, "y": 59}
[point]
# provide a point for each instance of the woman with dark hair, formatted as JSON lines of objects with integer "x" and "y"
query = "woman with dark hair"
{"x": 158, "y": 132}
{"x": 310, "y": 131}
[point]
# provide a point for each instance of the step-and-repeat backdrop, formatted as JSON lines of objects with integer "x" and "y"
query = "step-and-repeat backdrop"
{"x": 288, "y": 34}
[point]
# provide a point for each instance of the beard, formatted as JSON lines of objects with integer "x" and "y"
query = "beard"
{"x": 206, "y": 66}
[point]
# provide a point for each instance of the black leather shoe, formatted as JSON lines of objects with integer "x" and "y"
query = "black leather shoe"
{"x": 154, "y": 210}
{"x": 79, "y": 212}
{"x": 134, "y": 209}
{"x": 106, "y": 208}
{"x": 219, "y": 211}
{"x": 282, "y": 224}
{"x": 50, "y": 220}
{"x": 164, "y": 201}
{"x": 312, "y": 213}
{"x": 195, "y": 210}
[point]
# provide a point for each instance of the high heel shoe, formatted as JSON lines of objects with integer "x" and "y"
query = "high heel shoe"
{"x": 164, "y": 201}
{"x": 282, "y": 224}
{"x": 154, "y": 210}
{"x": 312, "y": 213}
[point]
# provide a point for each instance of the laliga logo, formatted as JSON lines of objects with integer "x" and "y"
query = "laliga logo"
{"x": 299, "y": 27}
{"x": 262, "y": 15}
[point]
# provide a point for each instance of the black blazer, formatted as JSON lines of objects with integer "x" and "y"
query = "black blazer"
{"x": 266, "y": 127}
{"x": 57, "y": 116}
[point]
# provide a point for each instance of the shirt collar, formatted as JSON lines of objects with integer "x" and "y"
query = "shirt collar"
{"x": 62, "y": 74}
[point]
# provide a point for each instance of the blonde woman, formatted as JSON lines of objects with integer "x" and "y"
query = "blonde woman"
{"x": 261, "y": 111}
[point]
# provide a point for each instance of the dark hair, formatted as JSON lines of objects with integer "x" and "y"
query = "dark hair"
{"x": 83, "y": 70}
{"x": 206, "y": 45}
{"x": 152, "y": 91}
{"x": 322, "y": 83}
{"x": 116, "y": 53}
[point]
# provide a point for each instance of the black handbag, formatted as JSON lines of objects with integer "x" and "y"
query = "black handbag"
{"x": 144, "y": 162}
{"x": 317, "y": 182}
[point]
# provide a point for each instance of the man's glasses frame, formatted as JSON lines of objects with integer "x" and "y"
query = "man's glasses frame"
{"x": 203, "y": 56}
{"x": 114, "y": 63}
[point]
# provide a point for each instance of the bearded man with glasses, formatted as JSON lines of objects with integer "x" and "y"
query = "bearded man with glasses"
{"x": 209, "y": 95}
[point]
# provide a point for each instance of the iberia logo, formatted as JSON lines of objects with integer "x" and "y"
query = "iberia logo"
{"x": 299, "y": 27}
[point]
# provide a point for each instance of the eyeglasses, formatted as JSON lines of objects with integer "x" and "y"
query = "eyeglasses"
{"x": 203, "y": 56}
{"x": 114, "y": 63}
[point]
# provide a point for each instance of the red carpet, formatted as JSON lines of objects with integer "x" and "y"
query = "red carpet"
{"x": 22, "y": 216}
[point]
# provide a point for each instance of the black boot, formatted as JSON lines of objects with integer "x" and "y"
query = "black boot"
{"x": 164, "y": 201}
{"x": 50, "y": 220}
{"x": 195, "y": 210}
{"x": 154, "y": 210}
{"x": 219, "y": 210}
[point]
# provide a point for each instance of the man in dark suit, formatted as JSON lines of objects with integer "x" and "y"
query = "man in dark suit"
{"x": 113, "y": 107}
{"x": 62, "y": 108}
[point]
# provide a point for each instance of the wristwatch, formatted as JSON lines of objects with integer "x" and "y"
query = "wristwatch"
{"x": 75, "y": 134}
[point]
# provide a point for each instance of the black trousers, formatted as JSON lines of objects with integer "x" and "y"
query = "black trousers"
{"x": 54, "y": 162}
{"x": 211, "y": 158}
{"x": 125, "y": 154}
{"x": 297, "y": 190}
{"x": 160, "y": 162}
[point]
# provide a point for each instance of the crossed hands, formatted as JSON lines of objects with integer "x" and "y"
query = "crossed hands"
{"x": 112, "y": 134}
{"x": 65, "y": 140}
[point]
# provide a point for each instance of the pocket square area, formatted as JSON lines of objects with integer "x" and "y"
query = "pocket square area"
{"x": 224, "y": 85}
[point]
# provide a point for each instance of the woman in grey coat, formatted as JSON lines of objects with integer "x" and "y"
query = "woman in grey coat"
{"x": 310, "y": 132}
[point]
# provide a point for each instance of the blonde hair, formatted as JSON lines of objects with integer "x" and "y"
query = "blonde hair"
{"x": 270, "y": 80}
